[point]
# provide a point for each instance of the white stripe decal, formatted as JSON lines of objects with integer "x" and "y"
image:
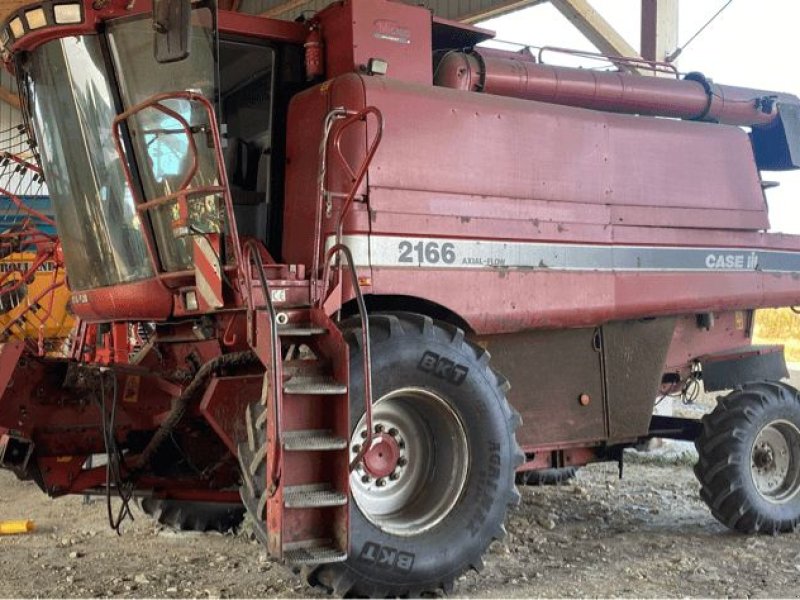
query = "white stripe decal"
{"x": 445, "y": 253}
{"x": 207, "y": 273}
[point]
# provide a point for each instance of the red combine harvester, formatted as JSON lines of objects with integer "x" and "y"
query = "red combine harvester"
{"x": 292, "y": 248}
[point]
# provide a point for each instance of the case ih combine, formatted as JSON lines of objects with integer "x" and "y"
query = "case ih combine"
{"x": 292, "y": 248}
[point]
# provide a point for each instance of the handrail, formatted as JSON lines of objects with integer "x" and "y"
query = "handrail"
{"x": 156, "y": 103}
{"x": 633, "y": 62}
{"x": 338, "y": 248}
{"x": 252, "y": 250}
{"x": 336, "y": 113}
{"x": 366, "y": 347}
{"x": 357, "y": 177}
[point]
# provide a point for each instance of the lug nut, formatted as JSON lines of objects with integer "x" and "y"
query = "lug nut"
{"x": 356, "y": 448}
{"x": 394, "y": 476}
{"x": 401, "y": 462}
{"x": 393, "y": 432}
{"x": 378, "y": 428}
{"x": 380, "y": 482}
{"x": 364, "y": 434}
{"x": 365, "y": 479}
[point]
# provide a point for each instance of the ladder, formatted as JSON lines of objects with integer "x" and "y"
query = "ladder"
{"x": 299, "y": 475}
{"x": 297, "y": 457}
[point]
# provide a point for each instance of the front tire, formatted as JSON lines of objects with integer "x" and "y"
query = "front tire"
{"x": 181, "y": 515}
{"x": 749, "y": 459}
{"x": 435, "y": 515}
{"x": 547, "y": 476}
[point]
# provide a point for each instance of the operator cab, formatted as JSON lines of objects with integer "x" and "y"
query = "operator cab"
{"x": 75, "y": 86}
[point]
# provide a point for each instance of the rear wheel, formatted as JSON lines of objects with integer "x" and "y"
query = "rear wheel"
{"x": 547, "y": 476}
{"x": 749, "y": 459}
{"x": 194, "y": 516}
{"x": 427, "y": 515}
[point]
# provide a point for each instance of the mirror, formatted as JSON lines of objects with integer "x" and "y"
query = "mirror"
{"x": 172, "y": 28}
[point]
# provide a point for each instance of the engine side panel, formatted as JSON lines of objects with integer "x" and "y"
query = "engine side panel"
{"x": 583, "y": 386}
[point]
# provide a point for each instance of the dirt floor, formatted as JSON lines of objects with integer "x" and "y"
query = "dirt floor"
{"x": 647, "y": 535}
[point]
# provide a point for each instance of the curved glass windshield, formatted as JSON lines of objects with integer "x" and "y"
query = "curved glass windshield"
{"x": 159, "y": 142}
{"x": 72, "y": 111}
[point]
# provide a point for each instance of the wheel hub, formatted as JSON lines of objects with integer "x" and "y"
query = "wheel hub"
{"x": 764, "y": 457}
{"x": 381, "y": 459}
{"x": 416, "y": 468}
{"x": 775, "y": 461}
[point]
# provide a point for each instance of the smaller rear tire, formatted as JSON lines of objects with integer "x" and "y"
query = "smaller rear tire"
{"x": 181, "y": 515}
{"x": 547, "y": 476}
{"x": 749, "y": 459}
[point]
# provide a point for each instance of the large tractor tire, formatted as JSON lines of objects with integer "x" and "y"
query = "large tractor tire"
{"x": 417, "y": 530}
{"x": 749, "y": 459}
{"x": 447, "y": 501}
{"x": 194, "y": 516}
{"x": 547, "y": 476}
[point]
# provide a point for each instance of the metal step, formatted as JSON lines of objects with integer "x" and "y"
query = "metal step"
{"x": 312, "y": 440}
{"x": 317, "y": 385}
{"x": 300, "y": 330}
{"x": 315, "y": 495}
{"x": 314, "y": 555}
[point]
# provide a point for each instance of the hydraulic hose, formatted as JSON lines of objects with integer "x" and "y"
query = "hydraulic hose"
{"x": 181, "y": 403}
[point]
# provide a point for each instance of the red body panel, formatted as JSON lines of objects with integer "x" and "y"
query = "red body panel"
{"x": 446, "y": 142}
{"x": 148, "y": 299}
{"x": 465, "y": 166}
{"x": 356, "y": 32}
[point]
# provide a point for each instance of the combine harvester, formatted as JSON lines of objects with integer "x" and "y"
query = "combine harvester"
{"x": 292, "y": 248}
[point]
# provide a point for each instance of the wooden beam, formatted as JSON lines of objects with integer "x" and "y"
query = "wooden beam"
{"x": 659, "y": 28}
{"x": 498, "y": 10}
{"x": 595, "y": 28}
{"x": 10, "y": 98}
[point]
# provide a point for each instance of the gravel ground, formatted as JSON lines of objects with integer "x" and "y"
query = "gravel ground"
{"x": 647, "y": 535}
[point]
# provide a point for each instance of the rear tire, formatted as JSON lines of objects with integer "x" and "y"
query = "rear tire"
{"x": 429, "y": 384}
{"x": 194, "y": 516}
{"x": 547, "y": 476}
{"x": 749, "y": 459}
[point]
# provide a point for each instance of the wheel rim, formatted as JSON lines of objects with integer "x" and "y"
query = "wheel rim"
{"x": 432, "y": 466}
{"x": 775, "y": 461}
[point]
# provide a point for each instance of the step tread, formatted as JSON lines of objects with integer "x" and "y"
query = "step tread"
{"x": 318, "y": 385}
{"x": 314, "y": 555}
{"x": 301, "y": 330}
{"x": 312, "y": 439}
{"x": 315, "y": 495}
